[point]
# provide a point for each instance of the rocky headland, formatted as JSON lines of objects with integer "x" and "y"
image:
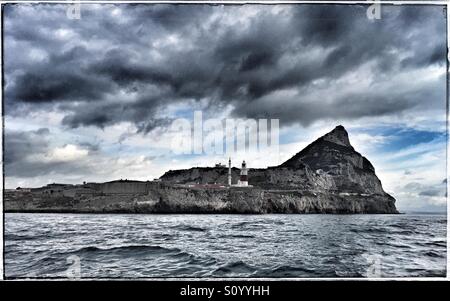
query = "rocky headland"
{"x": 328, "y": 176}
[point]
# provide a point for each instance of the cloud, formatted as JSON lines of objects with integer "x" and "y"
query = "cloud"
{"x": 31, "y": 154}
{"x": 19, "y": 145}
{"x": 34, "y": 157}
{"x": 127, "y": 62}
{"x": 431, "y": 192}
{"x": 68, "y": 152}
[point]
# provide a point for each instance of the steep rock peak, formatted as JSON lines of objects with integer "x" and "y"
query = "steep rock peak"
{"x": 339, "y": 136}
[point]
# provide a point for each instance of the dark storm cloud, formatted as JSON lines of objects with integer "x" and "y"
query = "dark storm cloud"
{"x": 330, "y": 24}
{"x": 55, "y": 87}
{"x": 60, "y": 78}
{"x": 108, "y": 68}
{"x": 256, "y": 60}
{"x": 19, "y": 145}
{"x": 170, "y": 17}
{"x": 105, "y": 113}
{"x": 307, "y": 113}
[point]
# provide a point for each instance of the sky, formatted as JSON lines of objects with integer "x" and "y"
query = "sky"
{"x": 95, "y": 98}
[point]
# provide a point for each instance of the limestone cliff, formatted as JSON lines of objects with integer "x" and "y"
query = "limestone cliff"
{"x": 172, "y": 199}
{"x": 329, "y": 167}
{"x": 336, "y": 164}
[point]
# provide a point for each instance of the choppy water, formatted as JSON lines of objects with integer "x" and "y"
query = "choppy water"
{"x": 50, "y": 245}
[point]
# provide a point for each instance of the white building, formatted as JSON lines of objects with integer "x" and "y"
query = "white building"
{"x": 243, "y": 178}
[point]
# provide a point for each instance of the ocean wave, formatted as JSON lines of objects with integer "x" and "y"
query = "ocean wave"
{"x": 178, "y": 246}
{"x": 395, "y": 245}
{"x": 129, "y": 250}
{"x": 188, "y": 228}
{"x": 437, "y": 243}
{"x": 236, "y": 236}
{"x": 371, "y": 230}
{"x": 145, "y": 250}
{"x": 9, "y": 236}
{"x": 418, "y": 272}
{"x": 164, "y": 236}
{"x": 276, "y": 222}
{"x": 435, "y": 254}
{"x": 235, "y": 267}
{"x": 246, "y": 224}
{"x": 286, "y": 271}
{"x": 34, "y": 236}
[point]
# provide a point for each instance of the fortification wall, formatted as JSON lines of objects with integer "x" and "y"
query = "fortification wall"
{"x": 124, "y": 187}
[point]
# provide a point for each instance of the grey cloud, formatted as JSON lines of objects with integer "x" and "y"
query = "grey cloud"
{"x": 20, "y": 146}
{"x": 212, "y": 60}
{"x": 431, "y": 192}
{"x": 91, "y": 147}
{"x": 437, "y": 190}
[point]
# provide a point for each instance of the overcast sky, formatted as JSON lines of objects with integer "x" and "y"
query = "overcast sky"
{"x": 93, "y": 99}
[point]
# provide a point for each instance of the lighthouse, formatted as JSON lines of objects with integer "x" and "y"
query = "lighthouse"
{"x": 229, "y": 171}
{"x": 243, "y": 178}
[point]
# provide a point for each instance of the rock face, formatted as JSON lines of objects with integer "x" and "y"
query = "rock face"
{"x": 172, "y": 199}
{"x": 338, "y": 166}
{"x": 328, "y": 176}
{"x": 329, "y": 167}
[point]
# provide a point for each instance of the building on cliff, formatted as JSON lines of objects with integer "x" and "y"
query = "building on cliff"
{"x": 243, "y": 176}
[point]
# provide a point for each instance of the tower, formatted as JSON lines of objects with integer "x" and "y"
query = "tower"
{"x": 243, "y": 178}
{"x": 229, "y": 172}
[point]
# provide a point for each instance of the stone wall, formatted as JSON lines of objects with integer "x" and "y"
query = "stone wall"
{"x": 127, "y": 187}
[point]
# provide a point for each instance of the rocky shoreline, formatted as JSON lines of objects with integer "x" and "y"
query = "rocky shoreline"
{"x": 210, "y": 201}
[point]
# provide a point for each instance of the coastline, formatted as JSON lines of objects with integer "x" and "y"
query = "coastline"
{"x": 176, "y": 200}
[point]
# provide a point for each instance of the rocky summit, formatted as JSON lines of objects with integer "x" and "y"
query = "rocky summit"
{"x": 329, "y": 173}
{"x": 327, "y": 176}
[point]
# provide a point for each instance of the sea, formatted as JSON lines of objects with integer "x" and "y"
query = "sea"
{"x": 223, "y": 246}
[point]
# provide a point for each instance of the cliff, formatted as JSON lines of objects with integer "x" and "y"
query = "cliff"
{"x": 328, "y": 176}
{"x": 169, "y": 199}
{"x": 329, "y": 168}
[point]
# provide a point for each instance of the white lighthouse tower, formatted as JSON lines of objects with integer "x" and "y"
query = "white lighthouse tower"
{"x": 243, "y": 178}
